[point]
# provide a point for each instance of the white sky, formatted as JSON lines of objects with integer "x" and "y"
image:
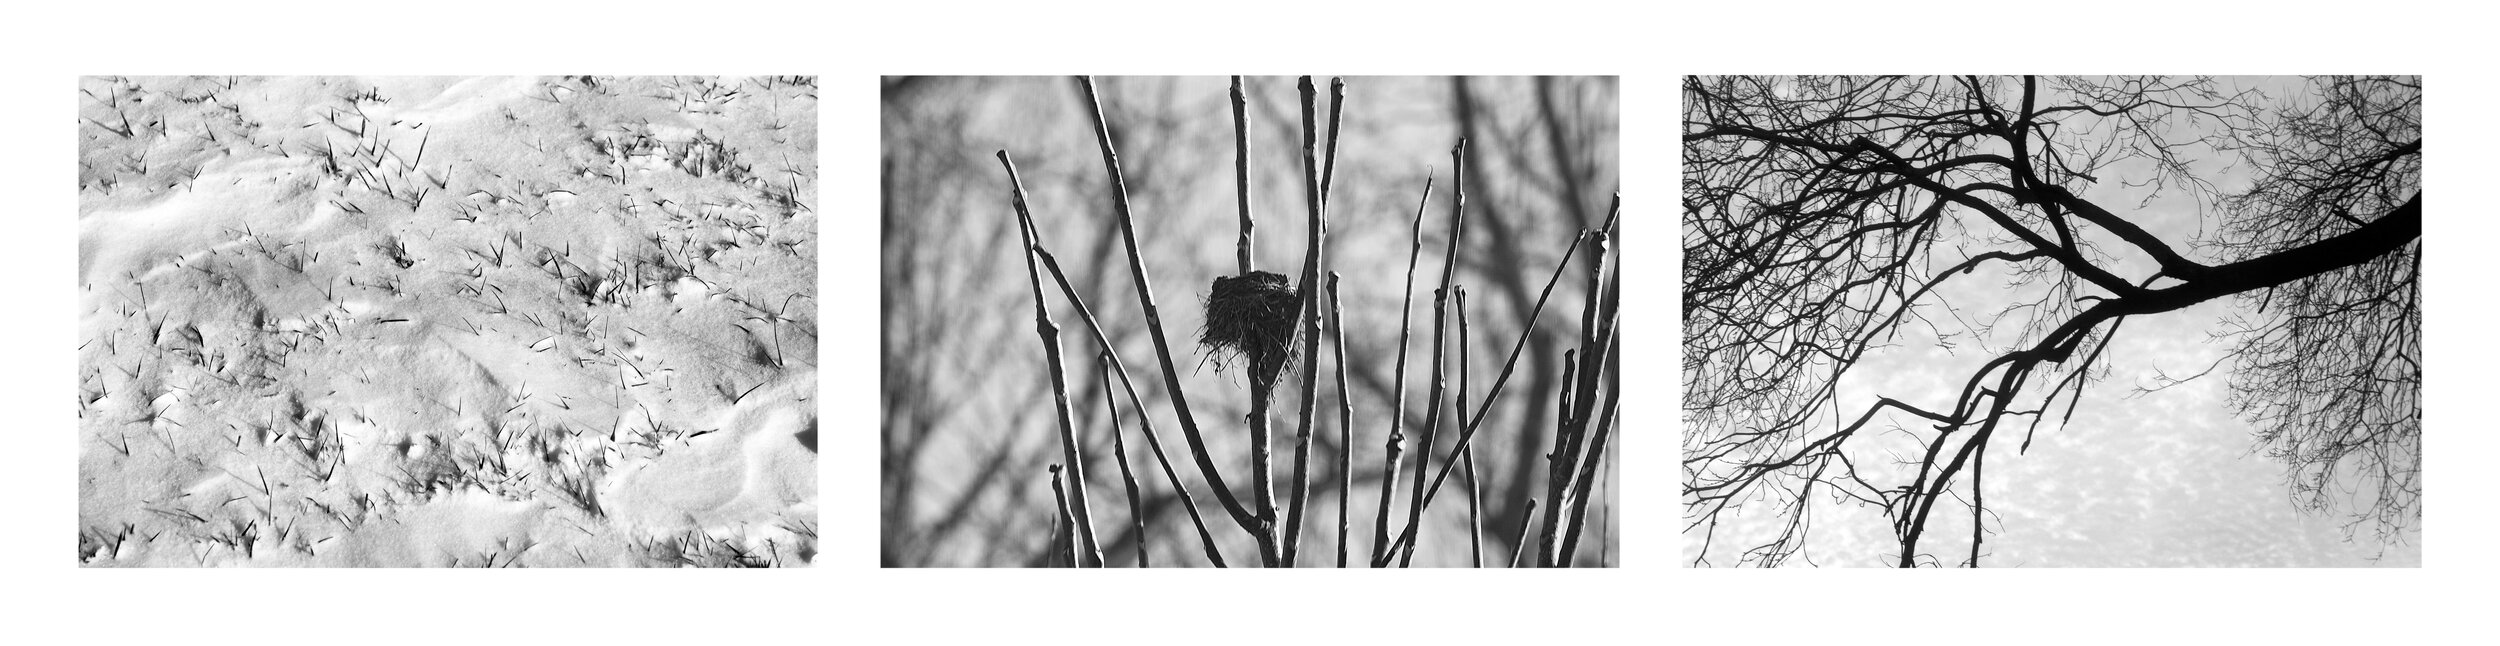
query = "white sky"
{"x": 2161, "y": 479}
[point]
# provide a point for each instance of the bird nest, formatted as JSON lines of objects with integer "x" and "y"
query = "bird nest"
{"x": 1250, "y": 320}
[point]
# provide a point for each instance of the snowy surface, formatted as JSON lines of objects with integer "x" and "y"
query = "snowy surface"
{"x": 447, "y": 322}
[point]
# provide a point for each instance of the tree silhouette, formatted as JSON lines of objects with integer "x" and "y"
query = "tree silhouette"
{"x": 1824, "y": 217}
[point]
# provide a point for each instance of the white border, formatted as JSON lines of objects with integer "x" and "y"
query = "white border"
{"x": 847, "y": 599}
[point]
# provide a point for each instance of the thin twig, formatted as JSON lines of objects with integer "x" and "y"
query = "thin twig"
{"x": 1154, "y": 316}
{"x": 1336, "y": 101}
{"x": 1145, "y": 422}
{"x": 1241, "y": 169}
{"x": 1345, "y": 423}
{"x": 1978, "y": 504}
{"x": 1049, "y": 333}
{"x": 1262, "y": 468}
{"x": 1475, "y": 496}
{"x": 1469, "y": 433}
{"x": 1314, "y": 262}
{"x": 1440, "y": 322}
{"x": 1558, "y": 463}
{"x": 1519, "y": 541}
{"x": 1119, "y": 452}
{"x": 1397, "y": 412}
{"x": 1605, "y": 421}
{"x": 1475, "y": 513}
{"x": 1572, "y": 437}
{"x": 1060, "y": 537}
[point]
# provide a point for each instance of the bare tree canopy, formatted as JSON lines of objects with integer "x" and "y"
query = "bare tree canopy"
{"x": 1831, "y": 221}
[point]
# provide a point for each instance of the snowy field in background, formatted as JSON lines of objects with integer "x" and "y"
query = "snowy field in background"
{"x": 480, "y": 322}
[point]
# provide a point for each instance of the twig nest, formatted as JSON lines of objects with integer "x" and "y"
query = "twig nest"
{"x": 1251, "y": 317}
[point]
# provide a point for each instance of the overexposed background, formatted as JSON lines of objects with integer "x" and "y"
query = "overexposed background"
{"x": 2147, "y": 472}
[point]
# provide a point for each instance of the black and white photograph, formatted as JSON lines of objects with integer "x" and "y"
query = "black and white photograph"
{"x": 350, "y": 296}
{"x": 483, "y": 322}
{"x": 1309, "y": 322}
{"x": 2019, "y": 321}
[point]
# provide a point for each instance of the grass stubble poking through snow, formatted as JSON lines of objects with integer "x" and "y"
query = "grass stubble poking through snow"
{"x": 487, "y": 322}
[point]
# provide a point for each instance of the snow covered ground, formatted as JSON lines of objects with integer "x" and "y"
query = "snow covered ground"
{"x": 447, "y": 321}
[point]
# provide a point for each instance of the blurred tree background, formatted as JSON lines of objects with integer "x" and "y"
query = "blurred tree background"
{"x": 968, "y": 429}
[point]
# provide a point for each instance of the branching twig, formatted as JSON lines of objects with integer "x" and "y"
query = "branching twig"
{"x": 1469, "y": 433}
{"x": 1154, "y": 316}
{"x": 1609, "y": 332}
{"x": 1049, "y": 333}
{"x": 1145, "y": 422}
{"x": 1313, "y": 264}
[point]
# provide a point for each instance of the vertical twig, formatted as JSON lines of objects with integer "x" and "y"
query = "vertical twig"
{"x": 1345, "y": 423}
{"x": 1154, "y": 315}
{"x": 1558, "y": 463}
{"x": 1978, "y": 507}
{"x": 1519, "y": 541}
{"x": 1397, "y": 411}
{"x": 1314, "y": 262}
{"x": 1336, "y": 99}
{"x": 1241, "y": 170}
{"x": 1440, "y": 321}
{"x": 1475, "y": 504}
{"x": 1262, "y": 436}
{"x": 1605, "y": 524}
{"x": 1063, "y": 543}
{"x": 1049, "y": 333}
{"x": 1606, "y": 419}
{"x": 1119, "y": 452}
{"x": 1262, "y": 467}
{"x": 1572, "y": 438}
{"x": 1475, "y": 501}
{"x": 1588, "y": 474}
